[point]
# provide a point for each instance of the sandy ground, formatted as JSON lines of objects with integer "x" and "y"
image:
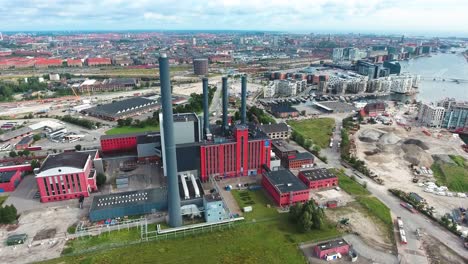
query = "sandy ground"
{"x": 362, "y": 224}
{"x": 394, "y": 169}
{"x": 58, "y": 219}
{"x": 438, "y": 253}
{"x": 234, "y": 86}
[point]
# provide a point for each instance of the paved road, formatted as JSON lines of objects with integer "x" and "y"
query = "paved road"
{"x": 411, "y": 251}
{"x": 216, "y": 103}
{"x": 368, "y": 252}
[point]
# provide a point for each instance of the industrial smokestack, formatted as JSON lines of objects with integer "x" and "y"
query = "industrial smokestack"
{"x": 243, "y": 99}
{"x": 225, "y": 104}
{"x": 175, "y": 217}
{"x": 206, "y": 112}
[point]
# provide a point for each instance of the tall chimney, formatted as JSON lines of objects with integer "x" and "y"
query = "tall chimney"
{"x": 206, "y": 112}
{"x": 175, "y": 217}
{"x": 243, "y": 99}
{"x": 225, "y": 104}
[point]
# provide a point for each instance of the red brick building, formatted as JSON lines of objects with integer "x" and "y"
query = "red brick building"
{"x": 119, "y": 143}
{"x": 24, "y": 143}
{"x": 10, "y": 176}
{"x": 67, "y": 175}
{"x": 318, "y": 178}
{"x": 285, "y": 188}
{"x": 98, "y": 61}
{"x": 74, "y": 63}
{"x": 300, "y": 160}
{"x": 374, "y": 109}
{"x": 331, "y": 248}
{"x": 45, "y": 63}
{"x": 243, "y": 155}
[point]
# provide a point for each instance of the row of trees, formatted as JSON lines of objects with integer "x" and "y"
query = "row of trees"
{"x": 86, "y": 123}
{"x": 20, "y": 153}
{"x": 195, "y": 103}
{"x": 8, "y": 214}
{"x": 307, "y": 216}
{"x": 356, "y": 163}
{"x": 257, "y": 115}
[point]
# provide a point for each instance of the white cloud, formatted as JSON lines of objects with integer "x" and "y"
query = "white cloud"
{"x": 303, "y": 15}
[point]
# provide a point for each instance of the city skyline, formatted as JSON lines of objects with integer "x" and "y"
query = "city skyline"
{"x": 384, "y": 17}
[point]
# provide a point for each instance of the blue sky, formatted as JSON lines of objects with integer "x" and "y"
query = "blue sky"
{"x": 378, "y": 16}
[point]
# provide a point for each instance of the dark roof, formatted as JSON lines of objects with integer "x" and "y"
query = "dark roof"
{"x": 285, "y": 181}
{"x": 283, "y": 109}
{"x": 274, "y": 128}
{"x": 282, "y": 145}
{"x": 303, "y": 156}
{"x": 65, "y": 159}
{"x": 5, "y": 176}
{"x": 25, "y": 140}
{"x": 122, "y": 81}
{"x": 149, "y": 138}
{"x": 318, "y": 174}
{"x": 332, "y": 244}
{"x": 213, "y": 197}
{"x": 188, "y": 156}
{"x": 112, "y": 109}
{"x": 185, "y": 117}
{"x": 416, "y": 197}
{"x": 128, "y": 199}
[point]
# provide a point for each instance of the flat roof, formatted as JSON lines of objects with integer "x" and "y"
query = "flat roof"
{"x": 5, "y": 176}
{"x": 332, "y": 244}
{"x": 104, "y": 137}
{"x": 282, "y": 145}
{"x": 274, "y": 128}
{"x": 128, "y": 199}
{"x": 303, "y": 156}
{"x": 285, "y": 181}
{"x": 318, "y": 174}
{"x": 66, "y": 159}
{"x": 283, "y": 109}
{"x": 15, "y": 133}
{"x": 120, "y": 107}
{"x": 25, "y": 140}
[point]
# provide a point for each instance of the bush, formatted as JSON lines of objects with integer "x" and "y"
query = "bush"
{"x": 78, "y": 147}
{"x": 100, "y": 179}
{"x": 8, "y": 214}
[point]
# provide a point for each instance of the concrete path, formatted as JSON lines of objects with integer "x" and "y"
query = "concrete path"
{"x": 369, "y": 252}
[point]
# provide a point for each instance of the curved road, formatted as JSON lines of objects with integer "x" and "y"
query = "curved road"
{"x": 410, "y": 253}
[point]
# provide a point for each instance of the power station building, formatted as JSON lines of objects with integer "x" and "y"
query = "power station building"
{"x": 67, "y": 175}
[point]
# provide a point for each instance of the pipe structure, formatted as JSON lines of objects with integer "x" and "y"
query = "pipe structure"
{"x": 175, "y": 217}
{"x": 184, "y": 186}
{"x": 206, "y": 112}
{"x": 244, "y": 99}
{"x": 225, "y": 104}
{"x": 195, "y": 185}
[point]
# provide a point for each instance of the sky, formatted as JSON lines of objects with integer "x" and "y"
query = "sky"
{"x": 377, "y": 16}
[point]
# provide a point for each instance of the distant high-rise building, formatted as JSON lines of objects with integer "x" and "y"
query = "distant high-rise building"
{"x": 337, "y": 54}
{"x": 200, "y": 66}
{"x": 275, "y": 41}
{"x": 1, "y": 36}
{"x": 194, "y": 41}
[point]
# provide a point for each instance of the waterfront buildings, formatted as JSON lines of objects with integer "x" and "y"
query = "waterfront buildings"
{"x": 430, "y": 115}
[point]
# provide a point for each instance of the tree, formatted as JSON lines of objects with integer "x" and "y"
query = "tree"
{"x": 37, "y": 137}
{"x": 120, "y": 123}
{"x": 8, "y": 214}
{"x": 295, "y": 212}
{"x": 128, "y": 121}
{"x": 35, "y": 164}
{"x": 78, "y": 147}
{"x": 305, "y": 222}
{"x": 100, "y": 179}
{"x": 13, "y": 154}
{"x": 26, "y": 152}
{"x": 307, "y": 144}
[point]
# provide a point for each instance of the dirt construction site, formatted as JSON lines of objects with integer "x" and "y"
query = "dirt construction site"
{"x": 47, "y": 234}
{"x": 390, "y": 150}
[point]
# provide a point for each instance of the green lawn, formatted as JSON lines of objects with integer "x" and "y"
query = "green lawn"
{"x": 455, "y": 177}
{"x": 376, "y": 207}
{"x": 259, "y": 206}
{"x": 318, "y": 130}
{"x": 127, "y": 129}
{"x": 3, "y": 199}
{"x": 271, "y": 238}
{"x": 350, "y": 186}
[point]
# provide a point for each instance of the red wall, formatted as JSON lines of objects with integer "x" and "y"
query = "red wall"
{"x": 283, "y": 199}
{"x": 10, "y": 186}
{"x": 319, "y": 183}
{"x": 121, "y": 144}
{"x": 225, "y": 159}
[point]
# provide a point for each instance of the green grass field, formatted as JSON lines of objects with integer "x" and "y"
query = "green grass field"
{"x": 259, "y": 206}
{"x": 270, "y": 238}
{"x": 127, "y": 129}
{"x": 3, "y": 199}
{"x": 350, "y": 186}
{"x": 455, "y": 177}
{"x": 318, "y": 130}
